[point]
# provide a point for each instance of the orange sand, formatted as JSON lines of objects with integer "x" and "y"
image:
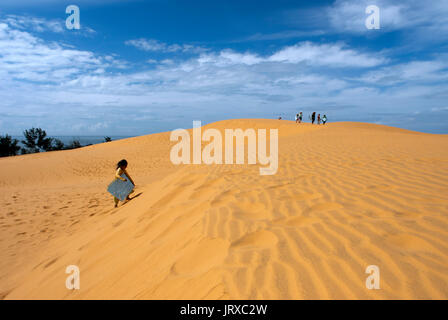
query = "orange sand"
{"x": 346, "y": 195}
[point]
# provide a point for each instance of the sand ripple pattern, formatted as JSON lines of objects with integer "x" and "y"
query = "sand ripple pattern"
{"x": 346, "y": 196}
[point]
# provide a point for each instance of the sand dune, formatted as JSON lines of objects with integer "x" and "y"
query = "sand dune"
{"x": 346, "y": 195}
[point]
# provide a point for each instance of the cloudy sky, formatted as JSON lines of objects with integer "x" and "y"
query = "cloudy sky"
{"x": 138, "y": 67}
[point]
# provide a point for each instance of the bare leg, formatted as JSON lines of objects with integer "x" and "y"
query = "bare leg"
{"x": 116, "y": 202}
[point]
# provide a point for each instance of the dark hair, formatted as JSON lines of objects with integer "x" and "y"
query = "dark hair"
{"x": 122, "y": 163}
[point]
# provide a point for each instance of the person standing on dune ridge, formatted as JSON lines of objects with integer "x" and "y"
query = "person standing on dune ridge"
{"x": 324, "y": 119}
{"x": 313, "y": 117}
{"x": 318, "y": 118}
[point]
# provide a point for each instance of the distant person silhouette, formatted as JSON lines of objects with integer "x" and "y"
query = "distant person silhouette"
{"x": 313, "y": 117}
{"x": 318, "y": 118}
{"x": 324, "y": 119}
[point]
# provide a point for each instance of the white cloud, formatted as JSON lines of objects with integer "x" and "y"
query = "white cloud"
{"x": 349, "y": 16}
{"x": 157, "y": 46}
{"x": 56, "y": 87}
{"x": 326, "y": 54}
{"x": 36, "y": 24}
{"x": 27, "y": 57}
{"x": 331, "y": 55}
{"x": 439, "y": 109}
{"x": 415, "y": 71}
{"x": 230, "y": 57}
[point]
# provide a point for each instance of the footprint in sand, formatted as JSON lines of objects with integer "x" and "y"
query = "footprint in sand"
{"x": 116, "y": 224}
{"x": 250, "y": 211}
{"x": 3, "y": 295}
{"x": 258, "y": 239}
{"x": 50, "y": 263}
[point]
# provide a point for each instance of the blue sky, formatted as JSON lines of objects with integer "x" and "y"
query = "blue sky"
{"x": 138, "y": 67}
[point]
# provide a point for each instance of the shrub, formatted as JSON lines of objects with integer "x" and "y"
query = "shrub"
{"x": 8, "y": 146}
{"x": 75, "y": 144}
{"x": 36, "y": 140}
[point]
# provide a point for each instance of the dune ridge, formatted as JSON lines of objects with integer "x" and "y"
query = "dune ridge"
{"x": 346, "y": 195}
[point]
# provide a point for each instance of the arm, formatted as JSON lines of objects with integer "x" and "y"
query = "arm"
{"x": 129, "y": 177}
{"x": 118, "y": 175}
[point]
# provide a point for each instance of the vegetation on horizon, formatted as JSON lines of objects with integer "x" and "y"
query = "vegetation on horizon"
{"x": 8, "y": 146}
{"x": 35, "y": 141}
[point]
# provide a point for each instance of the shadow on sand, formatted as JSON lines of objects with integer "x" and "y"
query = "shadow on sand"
{"x": 130, "y": 198}
{"x": 137, "y": 195}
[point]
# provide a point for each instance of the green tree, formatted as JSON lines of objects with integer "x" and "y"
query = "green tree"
{"x": 8, "y": 146}
{"x": 36, "y": 140}
{"x": 75, "y": 144}
{"x": 57, "y": 145}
